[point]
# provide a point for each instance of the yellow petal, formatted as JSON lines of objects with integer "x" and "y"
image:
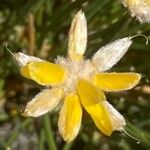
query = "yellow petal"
{"x": 25, "y": 71}
{"x": 70, "y": 118}
{"x": 44, "y": 73}
{"x": 89, "y": 94}
{"x": 43, "y": 102}
{"x": 93, "y": 101}
{"x": 116, "y": 81}
{"x": 77, "y": 37}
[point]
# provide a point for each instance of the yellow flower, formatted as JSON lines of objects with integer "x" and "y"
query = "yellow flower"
{"x": 79, "y": 83}
{"x": 139, "y": 8}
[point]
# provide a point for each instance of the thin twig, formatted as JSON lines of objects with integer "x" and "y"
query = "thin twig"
{"x": 31, "y": 34}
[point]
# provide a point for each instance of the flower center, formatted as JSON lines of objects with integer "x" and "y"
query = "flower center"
{"x": 76, "y": 70}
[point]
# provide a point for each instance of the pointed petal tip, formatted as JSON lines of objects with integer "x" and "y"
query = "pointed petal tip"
{"x": 80, "y": 16}
{"x": 80, "y": 12}
{"x": 108, "y": 133}
{"x": 23, "y": 59}
{"x": 117, "y": 120}
{"x": 138, "y": 77}
{"x": 23, "y": 114}
{"x": 27, "y": 114}
{"x": 68, "y": 140}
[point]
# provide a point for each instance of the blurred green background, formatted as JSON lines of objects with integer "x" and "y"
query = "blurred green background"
{"x": 40, "y": 28}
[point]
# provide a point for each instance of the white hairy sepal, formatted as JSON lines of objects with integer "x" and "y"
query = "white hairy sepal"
{"x": 23, "y": 59}
{"x": 77, "y": 36}
{"x": 43, "y": 102}
{"x": 117, "y": 120}
{"x": 107, "y": 56}
{"x": 139, "y": 9}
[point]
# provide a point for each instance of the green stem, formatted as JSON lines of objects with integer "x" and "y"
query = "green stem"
{"x": 41, "y": 140}
{"x": 49, "y": 133}
{"x": 67, "y": 146}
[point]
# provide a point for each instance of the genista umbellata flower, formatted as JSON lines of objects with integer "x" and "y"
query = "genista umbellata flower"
{"x": 79, "y": 83}
{"x": 139, "y": 8}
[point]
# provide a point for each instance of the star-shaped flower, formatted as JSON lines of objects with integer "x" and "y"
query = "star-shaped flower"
{"x": 79, "y": 83}
{"x": 139, "y": 8}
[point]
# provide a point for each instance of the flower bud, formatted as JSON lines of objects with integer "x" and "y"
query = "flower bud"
{"x": 77, "y": 37}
